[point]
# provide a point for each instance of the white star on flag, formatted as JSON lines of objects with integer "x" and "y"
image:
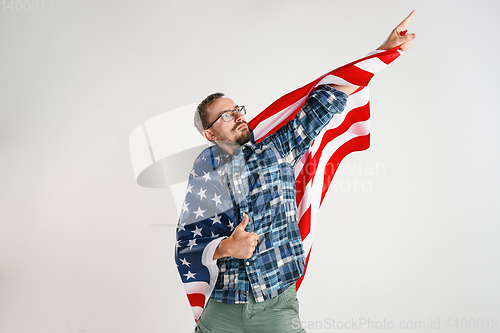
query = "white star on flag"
{"x": 214, "y": 235}
{"x": 192, "y": 242}
{"x": 197, "y": 231}
{"x": 188, "y": 190}
{"x": 199, "y": 212}
{"x": 185, "y": 207}
{"x": 206, "y": 176}
{"x": 216, "y": 199}
{"x": 231, "y": 225}
{"x": 185, "y": 262}
{"x": 189, "y": 275}
{"x": 193, "y": 174}
{"x": 181, "y": 227}
{"x": 216, "y": 219}
{"x": 202, "y": 193}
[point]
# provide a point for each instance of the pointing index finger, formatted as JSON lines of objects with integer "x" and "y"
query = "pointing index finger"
{"x": 407, "y": 20}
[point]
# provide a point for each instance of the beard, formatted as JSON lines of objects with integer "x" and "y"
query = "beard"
{"x": 239, "y": 138}
{"x": 243, "y": 137}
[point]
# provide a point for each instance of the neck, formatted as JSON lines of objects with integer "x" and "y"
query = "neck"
{"x": 228, "y": 147}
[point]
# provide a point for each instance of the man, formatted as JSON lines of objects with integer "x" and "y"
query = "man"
{"x": 251, "y": 243}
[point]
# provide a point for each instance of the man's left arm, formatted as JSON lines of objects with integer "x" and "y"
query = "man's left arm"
{"x": 295, "y": 137}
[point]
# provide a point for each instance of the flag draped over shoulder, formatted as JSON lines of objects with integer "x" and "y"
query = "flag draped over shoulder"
{"x": 345, "y": 133}
{"x": 200, "y": 229}
{"x": 206, "y": 217}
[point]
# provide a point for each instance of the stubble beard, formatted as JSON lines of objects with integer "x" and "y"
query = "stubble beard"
{"x": 244, "y": 137}
{"x": 239, "y": 139}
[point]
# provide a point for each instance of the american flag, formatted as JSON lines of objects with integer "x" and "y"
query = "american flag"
{"x": 206, "y": 214}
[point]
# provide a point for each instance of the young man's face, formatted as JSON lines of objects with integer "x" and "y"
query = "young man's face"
{"x": 235, "y": 131}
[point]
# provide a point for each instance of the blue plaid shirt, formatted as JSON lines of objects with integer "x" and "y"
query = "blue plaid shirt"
{"x": 261, "y": 183}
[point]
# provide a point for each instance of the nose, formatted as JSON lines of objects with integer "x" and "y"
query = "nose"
{"x": 238, "y": 117}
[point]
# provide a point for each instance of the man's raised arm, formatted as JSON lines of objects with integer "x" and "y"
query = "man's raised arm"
{"x": 398, "y": 36}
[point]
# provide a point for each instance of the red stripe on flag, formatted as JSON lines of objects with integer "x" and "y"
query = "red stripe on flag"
{"x": 356, "y": 115}
{"x": 305, "y": 223}
{"x": 309, "y": 168}
{"x": 196, "y": 300}
{"x": 355, "y": 144}
{"x": 280, "y": 105}
{"x": 355, "y": 76}
{"x": 390, "y": 55}
{"x": 299, "y": 281}
{"x": 350, "y": 73}
{"x": 386, "y": 56}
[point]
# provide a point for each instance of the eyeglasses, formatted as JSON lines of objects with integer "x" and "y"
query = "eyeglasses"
{"x": 229, "y": 115}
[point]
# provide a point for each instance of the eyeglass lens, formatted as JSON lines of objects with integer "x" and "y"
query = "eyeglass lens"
{"x": 229, "y": 115}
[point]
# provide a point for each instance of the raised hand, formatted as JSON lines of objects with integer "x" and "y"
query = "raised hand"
{"x": 399, "y": 36}
{"x": 241, "y": 244}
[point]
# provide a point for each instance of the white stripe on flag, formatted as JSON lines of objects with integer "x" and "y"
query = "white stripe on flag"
{"x": 196, "y": 287}
{"x": 357, "y": 100}
{"x": 372, "y": 65}
{"x": 332, "y": 79}
{"x": 197, "y": 310}
{"x": 317, "y": 187}
{"x": 269, "y": 124}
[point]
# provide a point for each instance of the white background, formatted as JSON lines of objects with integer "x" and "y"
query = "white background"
{"x": 83, "y": 248}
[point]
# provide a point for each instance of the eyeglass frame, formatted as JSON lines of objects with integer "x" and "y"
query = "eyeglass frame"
{"x": 239, "y": 109}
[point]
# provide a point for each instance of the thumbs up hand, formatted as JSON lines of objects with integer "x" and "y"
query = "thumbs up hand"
{"x": 241, "y": 244}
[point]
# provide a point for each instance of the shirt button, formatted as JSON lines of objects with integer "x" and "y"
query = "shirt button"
{"x": 239, "y": 191}
{"x": 248, "y": 263}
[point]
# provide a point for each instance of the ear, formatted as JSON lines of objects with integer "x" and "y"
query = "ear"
{"x": 209, "y": 135}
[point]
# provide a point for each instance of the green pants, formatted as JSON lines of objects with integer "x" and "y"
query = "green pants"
{"x": 276, "y": 315}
